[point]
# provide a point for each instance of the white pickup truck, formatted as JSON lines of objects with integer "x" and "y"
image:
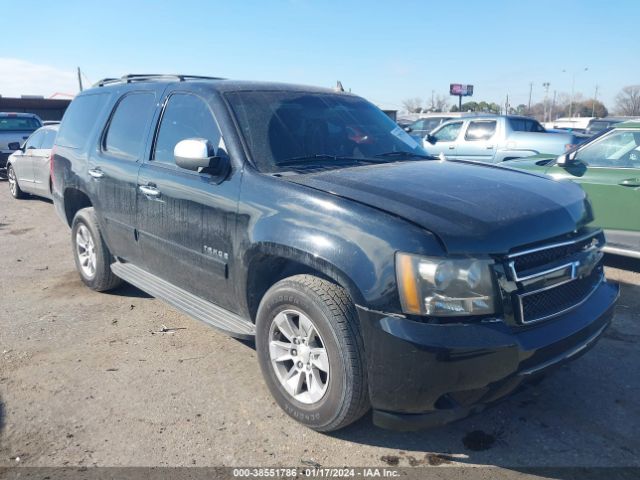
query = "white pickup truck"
{"x": 495, "y": 138}
{"x": 15, "y": 128}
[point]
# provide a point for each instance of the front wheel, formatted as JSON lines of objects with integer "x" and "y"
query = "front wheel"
{"x": 92, "y": 257}
{"x": 310, "y": 352}
{"x": 14, "y": 187}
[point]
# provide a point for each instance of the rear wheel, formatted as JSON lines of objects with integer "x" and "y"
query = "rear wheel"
{"x": 92, "y": 257}
{"x": 310, "y": 352}
{"x": 14, "y": 188}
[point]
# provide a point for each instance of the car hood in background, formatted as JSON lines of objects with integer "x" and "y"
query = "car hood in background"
{"x": 472, "y": 208}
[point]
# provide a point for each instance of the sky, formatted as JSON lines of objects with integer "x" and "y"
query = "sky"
{"x": 383, "y": 51}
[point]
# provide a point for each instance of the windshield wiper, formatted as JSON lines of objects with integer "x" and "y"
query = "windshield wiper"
{"x": 308, "y": 159}
{"x": 402, "y": 153}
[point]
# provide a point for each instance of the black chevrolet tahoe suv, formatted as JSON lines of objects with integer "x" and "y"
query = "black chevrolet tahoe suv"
{"x": 369, "y": 274}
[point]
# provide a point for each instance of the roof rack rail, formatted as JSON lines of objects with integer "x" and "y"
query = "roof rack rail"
{"x": 143, "y": 77}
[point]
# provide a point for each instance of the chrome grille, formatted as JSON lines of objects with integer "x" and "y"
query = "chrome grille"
{"x": 555, "y": 278}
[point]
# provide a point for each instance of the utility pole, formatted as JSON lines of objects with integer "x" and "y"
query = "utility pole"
{"x": 593, "y": 107}
{"x": 506, "y": 105}
{"x": 433, "y": 103}
{"x": 553, "y": 106}
{"x": 546, "y": 100}
{"x": 573, "y": 86}
{"x": 530, "y": 91}
{"x": 79, "y": 79}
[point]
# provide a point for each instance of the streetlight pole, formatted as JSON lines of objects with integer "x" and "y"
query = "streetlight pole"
{"x": 546, "y": 100}
{"x": 573, "y": 85}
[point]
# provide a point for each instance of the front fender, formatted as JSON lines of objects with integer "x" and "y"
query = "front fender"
{"x": 352, "y": 243}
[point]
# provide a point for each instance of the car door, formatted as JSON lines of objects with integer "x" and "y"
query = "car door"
{"x": 479, "y": 141}
{"x": 113, "y": 170}
{"x": 444, "y": 139}
{"x": 40, "y": 161}
{"x": 608, "y": 169}
{"x": 186, "y": 219}
{"x": 23, "y": 166}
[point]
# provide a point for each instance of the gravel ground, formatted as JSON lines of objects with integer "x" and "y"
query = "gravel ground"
{"x": 92, "y": 379}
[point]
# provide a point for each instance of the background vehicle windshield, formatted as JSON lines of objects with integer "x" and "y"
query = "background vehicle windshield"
{"x": 280, "y": 127}
{"x": 22, "y": 124}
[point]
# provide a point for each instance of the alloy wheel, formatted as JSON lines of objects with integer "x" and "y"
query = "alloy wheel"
{"x": 298, "y": 356}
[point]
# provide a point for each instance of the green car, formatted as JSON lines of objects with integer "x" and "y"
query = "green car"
{"x": 607, "y": 167}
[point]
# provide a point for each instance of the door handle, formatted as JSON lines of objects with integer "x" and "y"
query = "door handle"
{"x": 451, "y": 147}
{"x": 96, "y": 172}
{"x": 489, "y": 147}
{"x": 630, "y": 182}
{"x": 149, "y": 191}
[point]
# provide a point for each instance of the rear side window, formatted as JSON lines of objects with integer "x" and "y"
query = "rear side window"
{"x": 129, "y": 125}
{"x": 525, "y": 125}
{"x": 185, "y": 116}
{"x": 80, "y": 119}
{"x": 480, "y": 130}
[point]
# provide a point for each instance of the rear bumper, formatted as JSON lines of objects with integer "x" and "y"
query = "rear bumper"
{"x": 424, "y": 375}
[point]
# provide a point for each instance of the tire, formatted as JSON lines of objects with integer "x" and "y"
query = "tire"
{"x": 90, "y": 253}
{"x": 14, "y": 187}
{"x": 338, "y": 395}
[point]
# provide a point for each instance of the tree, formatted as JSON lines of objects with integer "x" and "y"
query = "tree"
{"x": 628, "y": 100}
{"x": 413, "y": 105}
{"x": 590, "y": 108}
{"x": 439, "y": 103}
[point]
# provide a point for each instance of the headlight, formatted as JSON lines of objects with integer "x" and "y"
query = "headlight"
{"x": 444, "y": 287}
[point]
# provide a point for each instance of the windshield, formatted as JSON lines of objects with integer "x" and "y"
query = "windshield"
{"x": 19, "y": 124}
{"x": 595, "y": 127}
{"x": 285, "y": 130}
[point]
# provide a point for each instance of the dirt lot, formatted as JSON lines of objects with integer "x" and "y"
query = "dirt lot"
{"x": 90, "y": 379}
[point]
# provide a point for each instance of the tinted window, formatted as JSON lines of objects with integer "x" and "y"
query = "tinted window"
{"x": 448, "y": 133}
{"x": 35, "y": 140}
{"x": 80, "y": 119}
{"x": 49, "y": 138}
{"x": 481, "y": 130}
{"x": 185, "y": 116}
{"x": 25, "y": 124}
{"x": 129, "y": 125}
{"x": 295, "y": 130}
{"x": 525, "y": 125}
{"x": 619, "y": 149}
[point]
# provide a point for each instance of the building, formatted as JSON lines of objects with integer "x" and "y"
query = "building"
{"x": 45, "y": 108}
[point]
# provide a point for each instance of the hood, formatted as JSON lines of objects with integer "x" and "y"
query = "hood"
{"x": 473, "y": 208}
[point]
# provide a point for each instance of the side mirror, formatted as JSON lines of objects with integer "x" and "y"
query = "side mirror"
{"x": 566, "y": 159}
{"x": 198, "y": 155}
{"x": 408, "y": 129}
{"x": 14, "y": 146}
{"x": 431, "y": 139}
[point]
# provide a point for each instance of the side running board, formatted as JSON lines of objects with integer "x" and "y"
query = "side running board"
{"x": 207, "y": 312}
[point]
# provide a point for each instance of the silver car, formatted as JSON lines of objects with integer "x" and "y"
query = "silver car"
{"x": 496, "y": 138}
{"x": 28, "y": 167}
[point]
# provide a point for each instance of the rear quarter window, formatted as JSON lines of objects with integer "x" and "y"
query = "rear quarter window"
{"x": 80, "y": 119}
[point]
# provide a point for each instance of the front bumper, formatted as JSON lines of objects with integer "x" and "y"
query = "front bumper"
{"x": 4, "y": 156}
{"x": 423, "y": 375}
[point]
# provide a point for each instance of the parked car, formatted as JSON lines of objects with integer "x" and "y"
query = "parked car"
{"x": 608, "y": 168}
{"x": 15, "y": 128}
{"x": 28, "y": 167}
{"x": 495, "y": 138}
{"x": 598, "y": 125}
{"x": 571, "y": 124}
{"x": 368, "y": 273}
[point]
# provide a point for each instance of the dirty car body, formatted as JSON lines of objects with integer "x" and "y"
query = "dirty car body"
{"x": 361, "y": 206}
